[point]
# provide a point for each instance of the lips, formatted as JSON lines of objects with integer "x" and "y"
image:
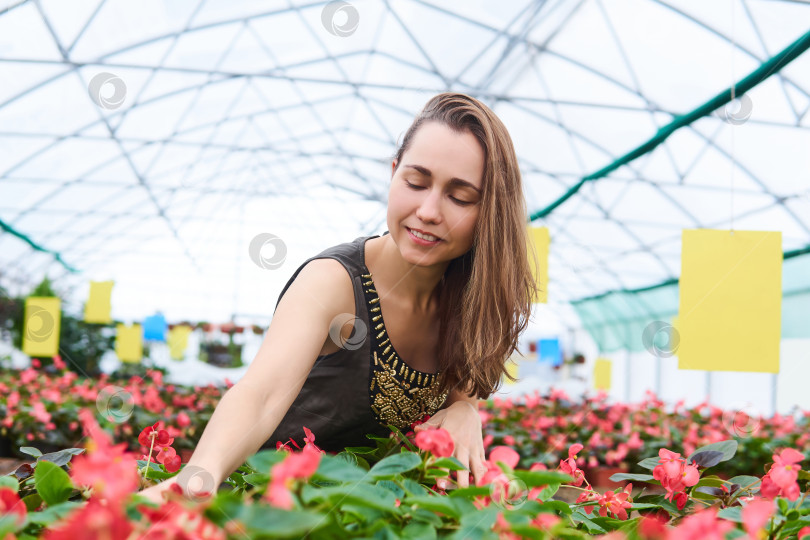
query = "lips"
{"x": 424, "y": 233}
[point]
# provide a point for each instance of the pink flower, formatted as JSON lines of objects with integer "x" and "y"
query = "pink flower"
{"x": 780, "y": 479}
{"x": 703, "y": 525}
{"x": 755, "y": 515}
{"x": 59, "y": 363}
{"x": 785, "y": 469}
{"x": 300, "y": 465}
{"x": 437, "y": 441}
{"x": 156, "y": 433}
{"x": 587, "y": 496}
{"x": 805, "y": 531}
{"x": 545, "y": 521}
{"x": 94, "y": 520}
{"x": 615, "y": 503}
{"x": 11, "y": 504}
{"x": 675, "y": 476}
{"x": 169, "y": 458}
{"x": 183, "y": 420}
{"x": 569, "y": 466}
{"x": 110, "y": 470}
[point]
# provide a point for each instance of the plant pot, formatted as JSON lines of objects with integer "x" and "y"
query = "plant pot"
{"x": 599, "y": 476}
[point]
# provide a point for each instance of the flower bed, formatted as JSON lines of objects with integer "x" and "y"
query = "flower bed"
{"x": 392, "y": 490}
{"x": 620, "y": 435}
{"x": 41, "y": 409}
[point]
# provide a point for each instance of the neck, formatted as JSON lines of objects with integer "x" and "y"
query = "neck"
{"x": 411, "y": 285}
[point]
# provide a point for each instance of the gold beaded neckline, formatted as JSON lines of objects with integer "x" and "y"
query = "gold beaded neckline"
{"x": 400, "y": 394}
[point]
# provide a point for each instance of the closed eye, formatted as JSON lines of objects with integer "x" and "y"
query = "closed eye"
{"x": 462, "y": 203}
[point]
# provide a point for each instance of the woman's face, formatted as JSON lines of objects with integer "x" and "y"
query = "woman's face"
{"x": 436, "y": 188}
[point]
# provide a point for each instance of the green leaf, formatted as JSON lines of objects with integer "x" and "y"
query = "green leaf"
{"x": 579, "y": 517}
{"x": 53, "y": 483}
{"x": 62, "y": 457}
{"x": 419, "y": 531}
{"x": 445, "y": 505}
{"x": 393, "y": 487}
{"x": 711, "y": 481}
{"x": 10, "y": 482}
{"x": 421, "y": 514}
{"x": 649, "y": 463}
{"x": 262, "y": 519}
{"x": 396, "y": 464}
{"x": 337, "y": 469}
{"x": 733, "y": 513}
{"x": 54, "y": 513}
{"x": 156, "y": 471}
{"x": 558, "y": 506}
{"x": 643, "y": 506}
{"x": 450, "y": 463}
{"x": 32, "y": 502}
{"x": 470, "y": 491}
{"x": 413, "y": 487}
{"x": 257, "y": 479}
{"x": 263, "y": 461}
{"x": 30, "y": 450}
{"x": 634, "y": 477}
{"x": 369, "y": 495}
{"x": 744, "y": 481}
{"x": 727, "y": 448}
{"x": 360, "y": 449}
{"x": 541, "y": 478}
{"x": 548, "y": 492}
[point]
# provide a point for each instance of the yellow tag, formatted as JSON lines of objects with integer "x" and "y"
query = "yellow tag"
{"x": 41, "y": 326}
{"x": 98, "y": 307}
{"x": 730, "y": 309}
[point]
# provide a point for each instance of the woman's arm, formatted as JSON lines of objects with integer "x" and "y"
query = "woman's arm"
{"x": 251, "y": 410}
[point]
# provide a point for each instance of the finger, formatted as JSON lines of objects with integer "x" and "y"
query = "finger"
{"x": 463, "y": 477}
{"x": 478, "y": 469}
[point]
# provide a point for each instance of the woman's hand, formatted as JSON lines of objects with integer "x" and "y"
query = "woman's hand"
{"x": 462, "y": 421}
{"x": 155, "y": 493}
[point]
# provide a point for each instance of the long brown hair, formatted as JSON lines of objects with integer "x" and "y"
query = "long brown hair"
{"x": 485, "y": 296}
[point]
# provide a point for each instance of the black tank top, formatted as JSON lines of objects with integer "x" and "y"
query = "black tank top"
{"x": 363, "y": 386}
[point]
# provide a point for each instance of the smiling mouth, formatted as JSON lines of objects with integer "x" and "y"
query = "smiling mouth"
{"x": 415, "y": 233}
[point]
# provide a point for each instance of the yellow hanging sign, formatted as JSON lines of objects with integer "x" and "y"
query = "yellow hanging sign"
{"x": 601, "y": 374}
{"x": 730, "y": 308}
{"x": 539, "y": 241}
{"x": 513, "y": 369}
{"x": 178, "y": 341}
{"x": 98, "y": 307}
{"x": 129, "y": 343}
{"x": 41, "y": 325}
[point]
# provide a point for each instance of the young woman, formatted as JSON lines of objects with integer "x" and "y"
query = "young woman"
{"x": 452, "y": 277}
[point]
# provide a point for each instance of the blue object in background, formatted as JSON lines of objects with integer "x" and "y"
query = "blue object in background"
{"x": 550, "y": 352}
{"x": 155, "y": 327}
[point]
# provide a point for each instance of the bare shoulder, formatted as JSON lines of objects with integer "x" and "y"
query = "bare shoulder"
{"x": 330, "y": 283}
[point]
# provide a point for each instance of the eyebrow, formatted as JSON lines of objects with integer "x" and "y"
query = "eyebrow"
{"x": 453, "y": 181}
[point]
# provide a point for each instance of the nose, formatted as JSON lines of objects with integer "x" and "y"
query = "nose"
{"x": 429, "y": 210}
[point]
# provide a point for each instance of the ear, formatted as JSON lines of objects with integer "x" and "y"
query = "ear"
{"x": 393, "y": 167}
